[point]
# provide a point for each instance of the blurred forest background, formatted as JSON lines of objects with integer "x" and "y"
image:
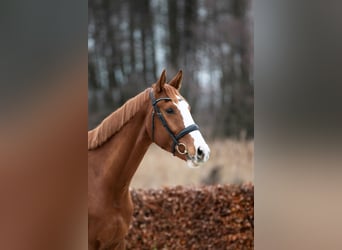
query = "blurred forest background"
{"x": 130, "y": 42}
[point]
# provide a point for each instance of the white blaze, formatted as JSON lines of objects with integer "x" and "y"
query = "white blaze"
{"x": 199, "y": 142}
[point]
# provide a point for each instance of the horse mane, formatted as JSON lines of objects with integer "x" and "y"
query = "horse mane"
{"x": 115, "y": 121}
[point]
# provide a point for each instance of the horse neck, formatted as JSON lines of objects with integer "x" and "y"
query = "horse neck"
{"x": 125, "y": 151}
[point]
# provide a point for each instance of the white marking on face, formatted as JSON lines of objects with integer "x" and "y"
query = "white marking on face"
{"x": 199, "y": 141}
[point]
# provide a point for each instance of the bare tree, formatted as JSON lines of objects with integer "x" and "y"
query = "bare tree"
{"x": 210, "y": 40}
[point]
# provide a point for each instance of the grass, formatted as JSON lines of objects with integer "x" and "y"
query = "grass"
{"x": 231, "y": 162}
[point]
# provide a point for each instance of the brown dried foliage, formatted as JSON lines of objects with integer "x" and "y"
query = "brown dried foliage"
{"x": 210, "y": 217}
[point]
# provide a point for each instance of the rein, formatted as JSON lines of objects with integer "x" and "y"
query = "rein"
{"x": 175, "y": 138}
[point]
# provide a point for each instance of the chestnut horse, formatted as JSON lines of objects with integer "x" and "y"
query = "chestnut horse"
{"x": 116, "y": 147}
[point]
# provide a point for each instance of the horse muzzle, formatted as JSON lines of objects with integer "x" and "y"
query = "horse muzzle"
{"x": 201, "y": 156}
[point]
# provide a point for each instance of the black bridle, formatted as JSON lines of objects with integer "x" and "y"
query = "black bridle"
{"x": 175, "y": 138}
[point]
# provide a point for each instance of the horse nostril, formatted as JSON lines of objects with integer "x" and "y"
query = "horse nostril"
{"x": 200, "y": 153}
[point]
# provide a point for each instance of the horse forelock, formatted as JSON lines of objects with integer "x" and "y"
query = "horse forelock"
{"x": 115, "y": 121}
{"x": 171, "y": 92}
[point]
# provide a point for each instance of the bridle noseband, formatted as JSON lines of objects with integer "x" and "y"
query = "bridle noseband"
{"x": 175, "y": 138}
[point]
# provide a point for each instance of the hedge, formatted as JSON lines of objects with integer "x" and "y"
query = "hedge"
{"x": 209, "y": 217}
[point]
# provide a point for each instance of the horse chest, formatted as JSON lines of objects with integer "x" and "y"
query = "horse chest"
{"x": 110, "y": 225}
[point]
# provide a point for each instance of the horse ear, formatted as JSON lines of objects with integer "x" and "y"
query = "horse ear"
{"x": 176, "y": 82}
{"x": 161, "y": 81}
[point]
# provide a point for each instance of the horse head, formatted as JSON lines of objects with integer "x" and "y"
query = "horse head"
{"x": 171, "y": 125}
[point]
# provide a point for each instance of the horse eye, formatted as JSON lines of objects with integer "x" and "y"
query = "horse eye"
{"x": 170, "y": 111}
